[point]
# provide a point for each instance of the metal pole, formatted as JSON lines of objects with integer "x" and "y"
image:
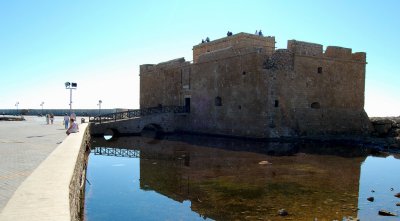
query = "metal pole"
{"x": 70, "y": 101}
{"x": 100, "y": 101}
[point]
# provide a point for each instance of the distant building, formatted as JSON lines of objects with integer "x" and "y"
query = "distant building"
{"x": 242, "y": 86}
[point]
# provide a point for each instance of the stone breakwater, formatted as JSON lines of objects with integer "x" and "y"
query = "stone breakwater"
{"x": 387, "y": 128}
{"x": 12, "y": 118}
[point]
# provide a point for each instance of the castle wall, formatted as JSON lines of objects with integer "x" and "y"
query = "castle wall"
{"x": 238, "y": 87}
{"x": 161, "y": 84}
{"x": 325, "y": 92}
{"x": 228, "y": 97}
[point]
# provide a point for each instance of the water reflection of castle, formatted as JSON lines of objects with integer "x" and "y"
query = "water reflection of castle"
{"x": 229, "y": 179}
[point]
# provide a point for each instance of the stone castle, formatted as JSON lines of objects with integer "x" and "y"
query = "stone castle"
{"x": 240, "y": 85}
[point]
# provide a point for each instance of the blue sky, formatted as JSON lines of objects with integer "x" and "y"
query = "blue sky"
{"x": 100, "y": 44}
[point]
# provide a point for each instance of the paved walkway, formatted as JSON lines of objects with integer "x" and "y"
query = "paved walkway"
{"x": 23, "y": 146}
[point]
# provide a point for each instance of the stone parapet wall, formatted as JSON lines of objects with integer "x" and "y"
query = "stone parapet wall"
{"x": 240, "y": 41}
{"x": 77, "y": 184}
{"x": 54, "y": 190}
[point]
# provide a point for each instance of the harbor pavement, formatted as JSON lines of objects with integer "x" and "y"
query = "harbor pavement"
{"x": 23, "y": 146}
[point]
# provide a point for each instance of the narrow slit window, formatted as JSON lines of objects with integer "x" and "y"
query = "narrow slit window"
{"x": 319, "y": 70}
{"x": 276, "y": 103}
{"x": 218, "y": 101}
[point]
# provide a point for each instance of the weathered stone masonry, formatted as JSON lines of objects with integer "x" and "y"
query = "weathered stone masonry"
{"x": 242, "y": 86}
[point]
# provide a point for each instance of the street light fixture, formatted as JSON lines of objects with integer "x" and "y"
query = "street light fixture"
{"x": 70, "y": 86}
{"x": 99, "y": 104}
{"x": 16, "y": 104}
{"x": 41, "y": 104}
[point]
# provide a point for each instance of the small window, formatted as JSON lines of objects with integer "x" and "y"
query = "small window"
{"x": 240, "y": 107}
{"x": 244, "y": 72}
{"x": 315, "y": 105}
{"x": 276, "y": 103}
{"x": 218, "y": 101}
{"x": 319, "y": 70}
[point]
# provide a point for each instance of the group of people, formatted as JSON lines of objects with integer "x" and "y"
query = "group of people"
{"x": 71, "y": 121}
{"x": 259, "y": 33}
{"x": 204, "y": 41}
{"x": 229, "y": 33}
{"x": 50, "y": 118}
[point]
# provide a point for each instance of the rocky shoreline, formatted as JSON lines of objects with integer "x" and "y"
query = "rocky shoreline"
{"x": 387, "y": 129}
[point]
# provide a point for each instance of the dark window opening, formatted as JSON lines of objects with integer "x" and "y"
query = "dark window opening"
{"x": 218, "y": 101}
{"x": 276, "y": 103}
{"x": 187, "y": 104}
{"x": 244, "y": 73}
{"x": 316, "y": 105}
{"x": 240, "y": 107}
{"x": 319, "y": 70}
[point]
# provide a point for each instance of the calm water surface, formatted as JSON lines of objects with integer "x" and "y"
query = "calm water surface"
{"x": 203, "y": 178}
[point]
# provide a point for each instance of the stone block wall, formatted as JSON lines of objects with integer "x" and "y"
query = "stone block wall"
{"x": 304, "y": 48}
{"x": 77, "y": 185}
{"x": 242, "y": 42}
{"x": 228, "y": 97}
{"x": 241, "y": 86}
{"x": 161, "y": 84}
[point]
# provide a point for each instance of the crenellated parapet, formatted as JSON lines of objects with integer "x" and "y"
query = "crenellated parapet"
{"x": 304, "y": 48}
{"x": 175, "y": 63}
{"x": 316, "y": 50}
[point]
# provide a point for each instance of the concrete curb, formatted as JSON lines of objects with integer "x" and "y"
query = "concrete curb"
{"x": 45, "y": 194}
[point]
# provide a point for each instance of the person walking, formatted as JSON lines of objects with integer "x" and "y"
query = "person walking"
{"x": 47, "y": 118}
{"x": 66, "y": 120}
{"x": 51, "y": 118}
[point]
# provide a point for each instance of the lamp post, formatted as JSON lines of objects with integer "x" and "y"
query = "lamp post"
{"x": 16, "y": 104}
{"x": 70, "y": 86}
{"x": 41, "y": 104}
{"x": 99, "y": 104}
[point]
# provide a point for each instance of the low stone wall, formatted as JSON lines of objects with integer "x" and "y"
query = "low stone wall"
{"x": 54, "y": 191}
{"x": 77, "y": 185}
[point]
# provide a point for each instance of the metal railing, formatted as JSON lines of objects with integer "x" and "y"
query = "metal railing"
{"x": 116, "y": 152}
{"x": 137, "y": 113}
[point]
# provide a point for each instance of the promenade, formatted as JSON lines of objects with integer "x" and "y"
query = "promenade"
{"x": 23, "y": 146}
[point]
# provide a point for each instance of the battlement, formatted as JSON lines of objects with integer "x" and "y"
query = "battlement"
{"x": 312, "y": 49}
{"x": 179, "y": 62}
{"x": 241, "y": 42}
{"x": 304, "y": 48}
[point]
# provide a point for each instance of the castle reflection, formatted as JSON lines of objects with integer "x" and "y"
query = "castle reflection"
{"x": 229, "y": 179}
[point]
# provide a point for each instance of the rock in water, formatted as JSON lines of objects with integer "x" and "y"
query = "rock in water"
{"x": 397, "y": 204}
{"x": 397, "y": 195}
{"x": 386, "y": 213}
{"x": 371, "y": 199}
{"x": 283, "y": 212}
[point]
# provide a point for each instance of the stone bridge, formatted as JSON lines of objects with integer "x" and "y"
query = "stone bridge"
{"x": 134, "y": 121}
